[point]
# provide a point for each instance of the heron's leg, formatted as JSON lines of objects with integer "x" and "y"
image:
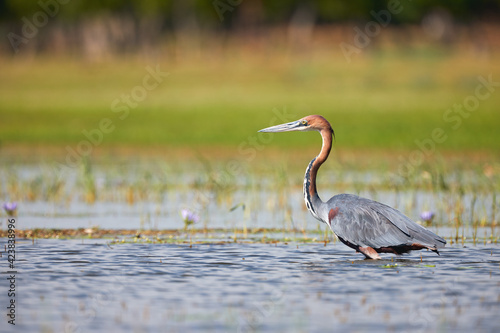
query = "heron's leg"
{"x": 369, "y": 252}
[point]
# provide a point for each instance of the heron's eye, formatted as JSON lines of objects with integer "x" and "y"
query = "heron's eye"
{"x": 304, "y": 122}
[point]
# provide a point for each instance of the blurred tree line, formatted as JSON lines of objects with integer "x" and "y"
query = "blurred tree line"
{"x": 276, "y": 11}
{"x": 129, "y": 24}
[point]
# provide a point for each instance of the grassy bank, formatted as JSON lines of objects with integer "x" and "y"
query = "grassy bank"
{"x": 385, "y": 100}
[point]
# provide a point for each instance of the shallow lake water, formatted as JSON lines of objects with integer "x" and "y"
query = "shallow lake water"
{"x": 217, "y": 283}
{"x": 151, "y": 196}
{"x": 93, "y": 285}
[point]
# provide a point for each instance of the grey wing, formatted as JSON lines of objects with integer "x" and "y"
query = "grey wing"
{"x": 365, "y": 222}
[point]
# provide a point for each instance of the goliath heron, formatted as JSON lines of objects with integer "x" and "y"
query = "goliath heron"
{"x": 367, "y": 226}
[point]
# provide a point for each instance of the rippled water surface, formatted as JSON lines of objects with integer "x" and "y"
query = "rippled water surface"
{"x": 92, "y": 285}
{"x": 220, "y": 280}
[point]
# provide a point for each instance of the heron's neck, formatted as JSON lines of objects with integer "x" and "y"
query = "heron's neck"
{"x": 310, "y": 192}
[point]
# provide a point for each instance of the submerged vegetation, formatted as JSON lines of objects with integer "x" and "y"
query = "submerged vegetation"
{"x": 206, "y": 236}
{"x": 456, "y": 200}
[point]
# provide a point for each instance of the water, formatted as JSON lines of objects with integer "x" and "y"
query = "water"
{"x": 138, "y": 198}
{"x": 92, "y": 285}
{"x": 218, "y": 285}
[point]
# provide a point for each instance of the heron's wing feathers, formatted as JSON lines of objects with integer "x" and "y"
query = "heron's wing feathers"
{"x": 366, "y": 227}
{"x": 416, "y": 231}
{"x": 366, "y": 222}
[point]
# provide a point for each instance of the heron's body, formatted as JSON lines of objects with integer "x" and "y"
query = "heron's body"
{"x": 367, "y": 226}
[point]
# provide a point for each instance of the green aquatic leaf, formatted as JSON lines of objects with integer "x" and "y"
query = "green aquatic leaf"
{"x": 242, "y": 205}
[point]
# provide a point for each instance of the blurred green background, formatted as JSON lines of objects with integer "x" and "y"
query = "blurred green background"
{"x": 231, "y": 64}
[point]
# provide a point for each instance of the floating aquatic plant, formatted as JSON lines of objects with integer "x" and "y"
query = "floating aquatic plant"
{"x": 10, "y": 208}
{"x": 427, "y": 216}
{"x": 189, "y": 217}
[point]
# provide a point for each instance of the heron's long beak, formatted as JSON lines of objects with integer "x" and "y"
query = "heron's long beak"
{"x": 293, "y": 126}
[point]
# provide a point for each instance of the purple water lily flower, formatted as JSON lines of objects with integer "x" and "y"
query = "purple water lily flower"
{"x": 427, "y": 216}
{"x": 189, "y": 217}
{"x": 10, "y": 208}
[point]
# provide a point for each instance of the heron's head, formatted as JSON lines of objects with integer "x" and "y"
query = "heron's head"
{"x": 309, "y": 123}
